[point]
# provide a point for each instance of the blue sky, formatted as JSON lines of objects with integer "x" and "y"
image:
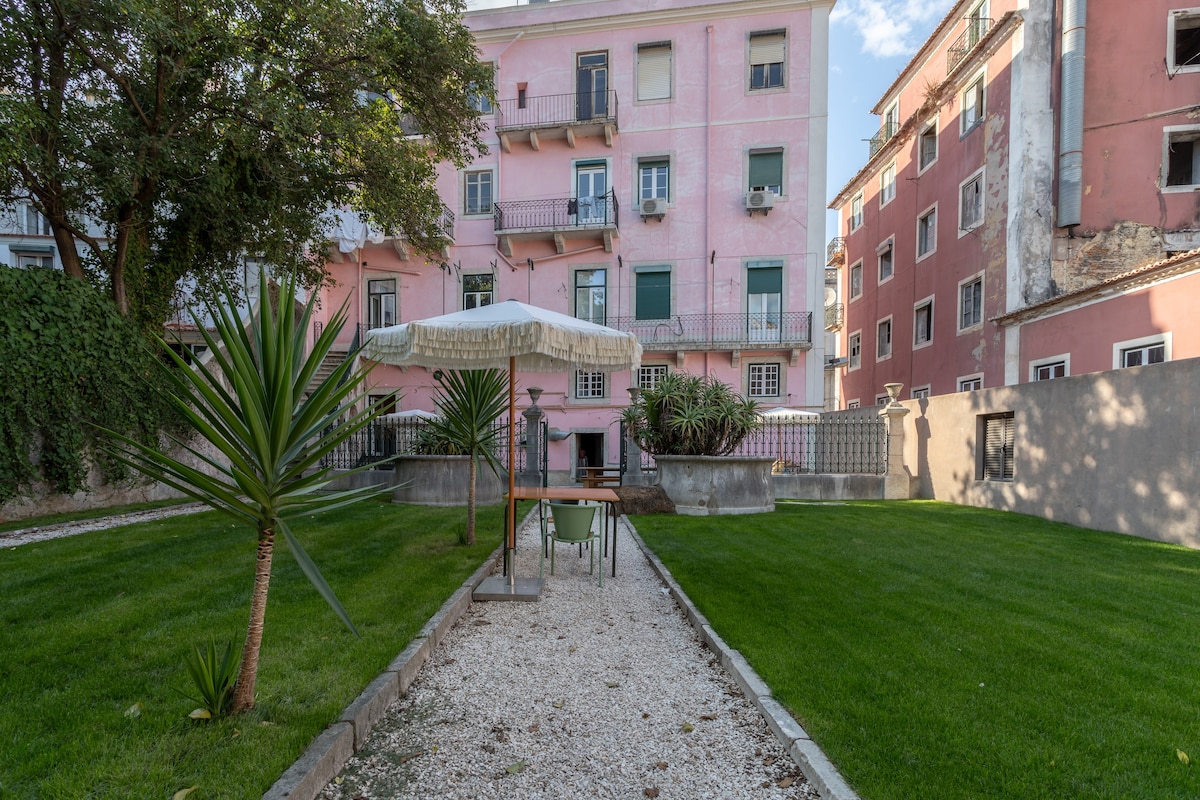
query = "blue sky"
{"x": 870, "y": 41}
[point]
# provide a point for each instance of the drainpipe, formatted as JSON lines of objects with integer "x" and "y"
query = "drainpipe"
{"x": 1070, "y": 133}
{"x": 711, "y": 272}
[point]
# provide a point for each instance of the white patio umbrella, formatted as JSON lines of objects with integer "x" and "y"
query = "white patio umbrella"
{"x": 512, "y": 335}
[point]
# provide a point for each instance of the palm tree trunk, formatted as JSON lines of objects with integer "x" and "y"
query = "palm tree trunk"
{"x": 471, "y": 501}
{"x": 243, "y": 694}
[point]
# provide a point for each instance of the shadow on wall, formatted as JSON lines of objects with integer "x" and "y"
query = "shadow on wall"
{"x": 1116, "y": 451}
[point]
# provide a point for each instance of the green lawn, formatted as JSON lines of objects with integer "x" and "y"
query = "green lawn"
{"x": 946, "y": 652}
{"x": 91, "y": 625}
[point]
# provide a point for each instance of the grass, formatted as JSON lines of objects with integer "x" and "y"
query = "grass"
{"x": 947, "y": 652}
{"x": 94, "y": 625}
{"x": 91, "y": 513}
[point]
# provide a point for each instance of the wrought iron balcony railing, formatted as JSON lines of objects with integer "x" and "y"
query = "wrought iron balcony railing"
{"x": 720, "y": 331}
{"x": 835, "y": 253}
{"x": 886, "y": 132}
{"x": 977, "y": 28}
{"x": 835, "y": 316}
{"x": 555, "y": 110}
{"x": 562, "y": 213}
{"x": 448, "y": 221}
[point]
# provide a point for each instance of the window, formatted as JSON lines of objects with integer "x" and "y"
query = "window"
{"x": 920, "y": 392}
{"x": 648, "y": 377}
{"x": 480, "y": 101}
{"x": 891, "y": 120}
{"x": 972, "y": 105}
{"x": 970, "y": 303}
{"x": 652, "y": 292}
{"x": 763, "y": 380}
{"x": 764, "y": 300}
{"x": 855, "y": 350}
{"x": 654, "y": 71}
{"x": 977, "y": 23}
{"x": 766, "y": 170}
{"x": 856, "y": 286}
{"x": 887, "y": 184}
{"x": 767, "y": 52}
{"x": 591, "y": 193}
{"x": 856, "y": 211}
{"x": 852, "y": 404}
{"x": 26, "y": 258}
{"x": 33, "y": 223}
{"x": 382, "y": 303}
{"x": 591, "y": 86}
{"x": 1181, "y": 157}
{"x": 654, "y": 178}
{"x": 590, "y": 299}
{"x": 1139, "y": 352}
{"x": 996, "y": 463}
{"x": 927, "y": 233}
{"x": 477, "y": 290}
{"x": 477, "y": 192}
{"x": 1049, "y": 371}
{"x": 927, "y": 146}
{"x": 970, "y": 203}
{"x": 883, "y": 339}
{"x": 886, "y": 261}
{"x": 970, "y": 383}
{"x": 589, "y": 385}
{"x": 882, "y": 399}
{"x": 1183, "y": 40}
{"x": 923, "y": 323}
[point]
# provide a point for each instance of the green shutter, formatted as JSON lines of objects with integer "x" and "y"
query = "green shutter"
{"x": 653, "y": 300}
{"x": 764, "y": 280}
{"x": 766, "y": 169}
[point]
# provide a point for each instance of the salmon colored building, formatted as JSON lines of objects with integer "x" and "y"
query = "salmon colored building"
{"x": 1037, "y": 162}
{"x": 657, "y": 168}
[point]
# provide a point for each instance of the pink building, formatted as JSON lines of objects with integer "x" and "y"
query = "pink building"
{"x": 658, "y": 168}
{"x": 1031, "y": 151}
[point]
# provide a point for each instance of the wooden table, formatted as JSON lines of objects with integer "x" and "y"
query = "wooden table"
{"x": 606, "y": 496}
{"x": 598, "y": 477}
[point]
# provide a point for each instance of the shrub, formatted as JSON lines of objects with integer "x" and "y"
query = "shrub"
{"x": 687, "y": 415}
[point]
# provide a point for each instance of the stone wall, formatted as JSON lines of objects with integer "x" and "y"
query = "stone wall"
{"x": 1116, "y": 450}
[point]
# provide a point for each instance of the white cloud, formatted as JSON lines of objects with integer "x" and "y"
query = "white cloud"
{"x": 890, "y": 28}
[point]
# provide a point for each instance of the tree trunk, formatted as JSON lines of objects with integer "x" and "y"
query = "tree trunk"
{"x": 243, "y": 693}
{"x": 471, "y": 501}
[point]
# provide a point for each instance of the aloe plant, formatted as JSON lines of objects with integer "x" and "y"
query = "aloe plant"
{"x": 688, "y": 415}
{"x": 213, "y": 676}
{"x": 257, "y": 406}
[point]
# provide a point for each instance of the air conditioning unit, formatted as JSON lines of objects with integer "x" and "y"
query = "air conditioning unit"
{"x": 760, "y": 200}
{"x": 654, "y": 207}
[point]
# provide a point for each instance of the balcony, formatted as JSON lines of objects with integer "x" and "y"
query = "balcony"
{"x": 831, "y": 276}
{"x": 886, "y": 132}
{"x": 772, "y": 331}
{"x": 977, "y": 28}
{"x": 557, "y": 116}
{"x": 557, "y": 219}
{"x": 835, "y": 316}
{"x": 835, "y": 253}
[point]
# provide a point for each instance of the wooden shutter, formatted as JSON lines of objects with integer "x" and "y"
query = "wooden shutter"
{"x": 654, "y": 71}
{"x": 998, "y": 448}
{"x": 767, "y": 48}
{"x": 653, "y": 297}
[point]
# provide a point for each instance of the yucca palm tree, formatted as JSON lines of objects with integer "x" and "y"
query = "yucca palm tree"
{"x": 254, "y": 402}
{"x": 471, "y": 402}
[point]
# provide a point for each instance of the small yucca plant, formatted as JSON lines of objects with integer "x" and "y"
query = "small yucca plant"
{"x": 213, "y": 672}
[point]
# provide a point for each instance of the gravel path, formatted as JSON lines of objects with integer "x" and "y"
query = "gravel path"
{"x": 590, "y": 692}
{"x": 46, "y": 532}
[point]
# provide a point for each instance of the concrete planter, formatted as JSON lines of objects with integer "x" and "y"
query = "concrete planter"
{"x": 710, "y": 485}
{"x": 443, "y": 481}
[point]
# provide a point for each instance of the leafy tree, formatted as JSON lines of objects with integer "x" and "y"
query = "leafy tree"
{"x": 169, "y": 139}
{"x": 469, "y": 405}
{"x": 271, "y": 427}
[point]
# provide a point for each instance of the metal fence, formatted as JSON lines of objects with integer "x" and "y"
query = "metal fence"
{"x": 815, "y": 446}
{"x": 380, "y": 442}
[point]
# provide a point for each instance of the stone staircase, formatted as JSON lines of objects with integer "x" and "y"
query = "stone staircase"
{"x": 333, "y": 359}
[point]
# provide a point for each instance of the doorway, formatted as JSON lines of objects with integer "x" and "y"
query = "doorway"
{"x": 589, "y": 451}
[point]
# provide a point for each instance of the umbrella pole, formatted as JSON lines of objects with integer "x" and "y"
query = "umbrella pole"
{"x": 511, "y": 511}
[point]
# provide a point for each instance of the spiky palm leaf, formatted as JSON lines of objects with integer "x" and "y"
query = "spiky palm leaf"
{"x": 255, "y": 404}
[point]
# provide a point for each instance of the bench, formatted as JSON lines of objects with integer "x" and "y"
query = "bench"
{"x": 599, "y": 477}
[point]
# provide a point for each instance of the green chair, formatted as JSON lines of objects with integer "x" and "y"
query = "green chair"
{"x": 572, "y": 525}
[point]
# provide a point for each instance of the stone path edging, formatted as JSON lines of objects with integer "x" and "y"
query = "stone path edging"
{"x": 326, "y": 756}
{"x": 817, "y": 768}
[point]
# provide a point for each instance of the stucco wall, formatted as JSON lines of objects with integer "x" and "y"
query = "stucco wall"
{"x": 1116, "y": 450}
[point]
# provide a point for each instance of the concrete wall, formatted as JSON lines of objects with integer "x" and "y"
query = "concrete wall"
{"x": 1116, "y": 450}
